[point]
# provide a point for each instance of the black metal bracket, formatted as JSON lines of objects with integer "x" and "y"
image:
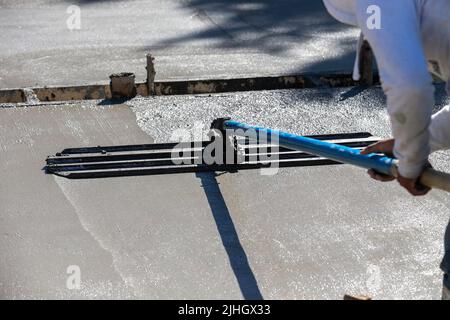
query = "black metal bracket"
{"x": 229, "y": 143}
{"x": 218, "y": 123}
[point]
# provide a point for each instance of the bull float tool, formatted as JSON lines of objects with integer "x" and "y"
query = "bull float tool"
{"x": 340, "y": 153}
{"x": 239, "y": 153}
{"x": 248, "y": 152}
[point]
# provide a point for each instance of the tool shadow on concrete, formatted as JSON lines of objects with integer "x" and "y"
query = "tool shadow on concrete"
{"x": 230, "y": 238}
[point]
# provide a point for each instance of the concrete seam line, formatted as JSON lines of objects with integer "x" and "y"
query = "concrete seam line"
{"x": 177, "y": 87}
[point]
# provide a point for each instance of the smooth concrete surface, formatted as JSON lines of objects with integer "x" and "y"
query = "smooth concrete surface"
{"x": 305, "y": 233}
{"x": 189, "y": 39}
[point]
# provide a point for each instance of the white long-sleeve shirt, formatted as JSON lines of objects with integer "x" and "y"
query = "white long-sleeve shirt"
{"x": 414, "y": 40}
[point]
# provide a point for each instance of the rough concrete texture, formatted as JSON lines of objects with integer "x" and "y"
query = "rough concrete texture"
{"x": 305, "y": 233}
{"x": 189, "y": 39}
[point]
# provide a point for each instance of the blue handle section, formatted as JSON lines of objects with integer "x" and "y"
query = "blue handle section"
{"x": 320, "y": 148}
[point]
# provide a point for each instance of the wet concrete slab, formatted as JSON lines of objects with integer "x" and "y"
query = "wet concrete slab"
{"x": 42, "y": 234}
{"x": 304, "y": 233}
{"x": 130, "y": 237}
{"x": 189, "y": 38}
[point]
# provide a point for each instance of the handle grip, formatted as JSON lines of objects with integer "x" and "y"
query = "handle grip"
{"x": 435, "y": 179}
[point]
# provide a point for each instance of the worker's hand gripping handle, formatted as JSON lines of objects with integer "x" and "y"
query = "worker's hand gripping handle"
{"x": 431, "y": 178}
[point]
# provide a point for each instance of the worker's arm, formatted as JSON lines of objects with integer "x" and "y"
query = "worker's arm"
{"x": 405, "y": 79}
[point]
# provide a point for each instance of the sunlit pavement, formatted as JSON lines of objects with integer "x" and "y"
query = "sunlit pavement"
{"x": 43, "y": 43}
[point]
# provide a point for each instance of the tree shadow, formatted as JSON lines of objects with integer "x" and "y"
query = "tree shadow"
{"x": 269, "y": 26}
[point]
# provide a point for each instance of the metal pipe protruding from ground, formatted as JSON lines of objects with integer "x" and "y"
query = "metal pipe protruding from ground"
{"x": 151, "y": 74}
{"x": 366, "y": 59}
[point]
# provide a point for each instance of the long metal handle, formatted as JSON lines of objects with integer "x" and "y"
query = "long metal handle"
{"x": 382, "y": 164}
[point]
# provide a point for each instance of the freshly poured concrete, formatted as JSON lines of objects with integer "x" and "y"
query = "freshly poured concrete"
{"x": 305, "y": 233}
{"x": 189, "y": 38}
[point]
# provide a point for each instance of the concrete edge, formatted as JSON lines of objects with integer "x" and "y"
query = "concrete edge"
{"x": 207, "y": 86}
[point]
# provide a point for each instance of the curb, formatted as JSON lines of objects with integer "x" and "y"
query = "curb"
{"x": 160, "y": 88}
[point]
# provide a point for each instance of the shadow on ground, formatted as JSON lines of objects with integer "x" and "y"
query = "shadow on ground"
{"x": 230, "y": 238}
{"x": 269, "y": 26}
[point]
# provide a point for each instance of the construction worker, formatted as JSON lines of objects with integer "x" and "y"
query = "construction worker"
{"x": 410, "y": 39}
